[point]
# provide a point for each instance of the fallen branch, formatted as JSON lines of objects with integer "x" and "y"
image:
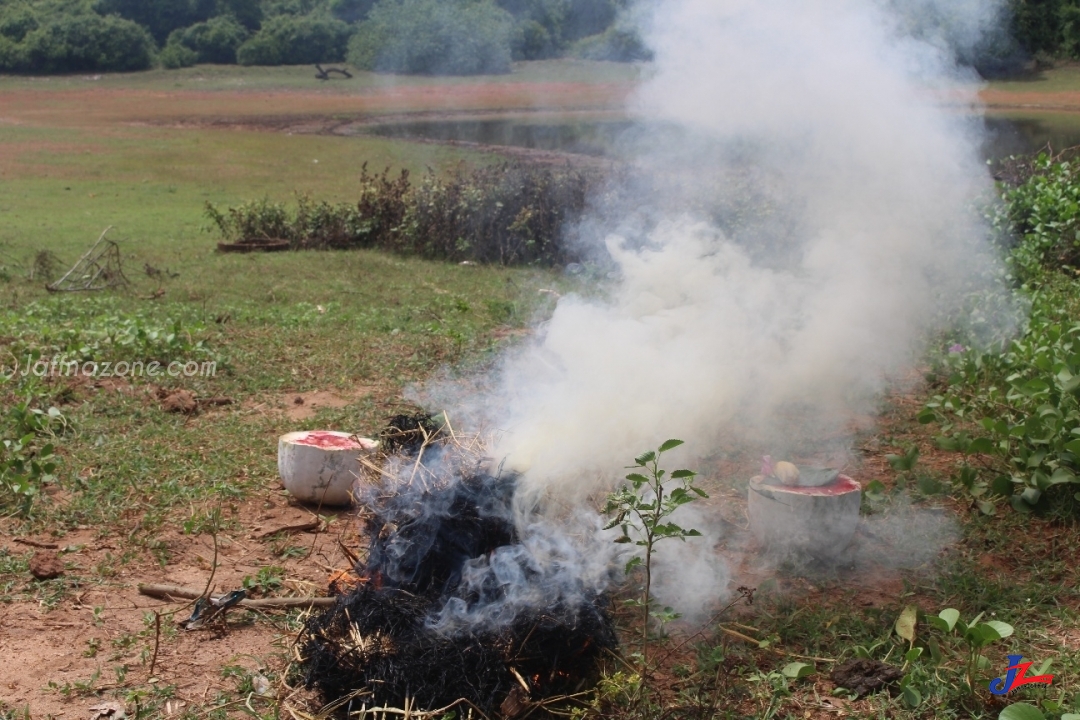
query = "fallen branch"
{"x": 170, "y": 592}
{"x": 322, "y": 74}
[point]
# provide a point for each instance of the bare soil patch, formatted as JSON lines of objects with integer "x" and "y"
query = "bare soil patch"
{"x": 70, "y": 651}
{"x": 286, "y": 108}
{"x": 297, "y": 406}
{"x": 1033, "y": 100}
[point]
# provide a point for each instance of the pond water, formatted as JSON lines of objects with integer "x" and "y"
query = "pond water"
{"x": 1007, "y": 133}
{"x": 1017, "y": 133}
{"x": 585, "y": 137}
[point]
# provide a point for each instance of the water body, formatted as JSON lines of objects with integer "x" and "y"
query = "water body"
{"x": 1007, "y": 133}
{"x": 583, "y": 137}
{"x": 1016, "y": 133}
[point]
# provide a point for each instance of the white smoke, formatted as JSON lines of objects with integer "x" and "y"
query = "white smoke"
{"x": 810, "y": 217}
{"x": 869, "y": 239}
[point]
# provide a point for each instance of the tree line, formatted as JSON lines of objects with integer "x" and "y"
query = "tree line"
{"x": 1047, "y": 28}
{"x": 411, "y": 36}
{"x": 417, "y": 36}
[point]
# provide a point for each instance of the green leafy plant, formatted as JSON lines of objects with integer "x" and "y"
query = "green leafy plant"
{"x": 1026, "y": 711}
{"x": 1041, "y": 216}
{"x": 265, "y": 581}
{"x": 1015, "y": 412}
{"x": 973, "y": 636}
{"x": 24, "y": 468}
{"x": 642, "y": 508}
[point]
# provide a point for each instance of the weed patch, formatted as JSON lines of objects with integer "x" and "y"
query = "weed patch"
{"x": 511, "y": 214}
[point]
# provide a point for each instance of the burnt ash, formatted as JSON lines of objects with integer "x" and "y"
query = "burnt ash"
{"x": 382, "y": 641}
{"x": 421, "y": 544}
{"x": 408, "y": 433}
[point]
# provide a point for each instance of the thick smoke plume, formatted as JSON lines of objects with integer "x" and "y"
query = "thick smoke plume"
{"x": 801, "y": 215}
{"x": 809, "y": 218}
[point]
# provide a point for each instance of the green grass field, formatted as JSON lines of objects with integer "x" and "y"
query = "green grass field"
{"x": 142, "y": 494}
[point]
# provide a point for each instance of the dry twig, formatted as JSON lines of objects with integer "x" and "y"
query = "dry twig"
{"x": 167, "y": 592}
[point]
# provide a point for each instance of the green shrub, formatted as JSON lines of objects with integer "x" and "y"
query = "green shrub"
{"x": 532, "y": 41}
{"x": 613, "y": 44}
{"x": 83, "y": 43}
{"x": 509, "y": 214}
{"x": 1040, "y": 218}
{"x": 255, "y": 221}
{"x": 434, "y": 37}
{"x": 287, "y": 40}
{"x": 1017, "y": 408}
{"x": 174, "y": 55}
{"x": 213, "y": 41}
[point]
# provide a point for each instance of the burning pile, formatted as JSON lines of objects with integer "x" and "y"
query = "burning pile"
{"x": 454, "y": 601}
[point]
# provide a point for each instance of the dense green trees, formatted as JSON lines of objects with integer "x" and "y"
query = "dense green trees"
{"x": 160, "y": 17}
{"x": 437, "y": 37}
{"x": 1047, "y": 27}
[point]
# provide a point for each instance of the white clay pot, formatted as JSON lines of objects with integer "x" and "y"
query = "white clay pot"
{"x": 320, "y": 466}
{"x": 817, "y": 520}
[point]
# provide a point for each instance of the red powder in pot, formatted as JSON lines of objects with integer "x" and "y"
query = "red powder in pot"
{"x": 841, "y": 485}
{"x": 328, "y": 441}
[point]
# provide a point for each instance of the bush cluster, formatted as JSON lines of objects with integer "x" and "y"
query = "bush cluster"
{"x": 71, "y": 43}
{"x": 614, "y": 44}
{"x": 304, "y": 39}
{"x": 1039, "y": 220}
{"x": 1014, "y": 407}
{"x": 509, "y": 214}
{"x": 213, "y": 41}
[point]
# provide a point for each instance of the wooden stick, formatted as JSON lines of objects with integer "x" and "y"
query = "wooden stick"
{"x": 167, "y": 592}
{"x": 157, "y": 640}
